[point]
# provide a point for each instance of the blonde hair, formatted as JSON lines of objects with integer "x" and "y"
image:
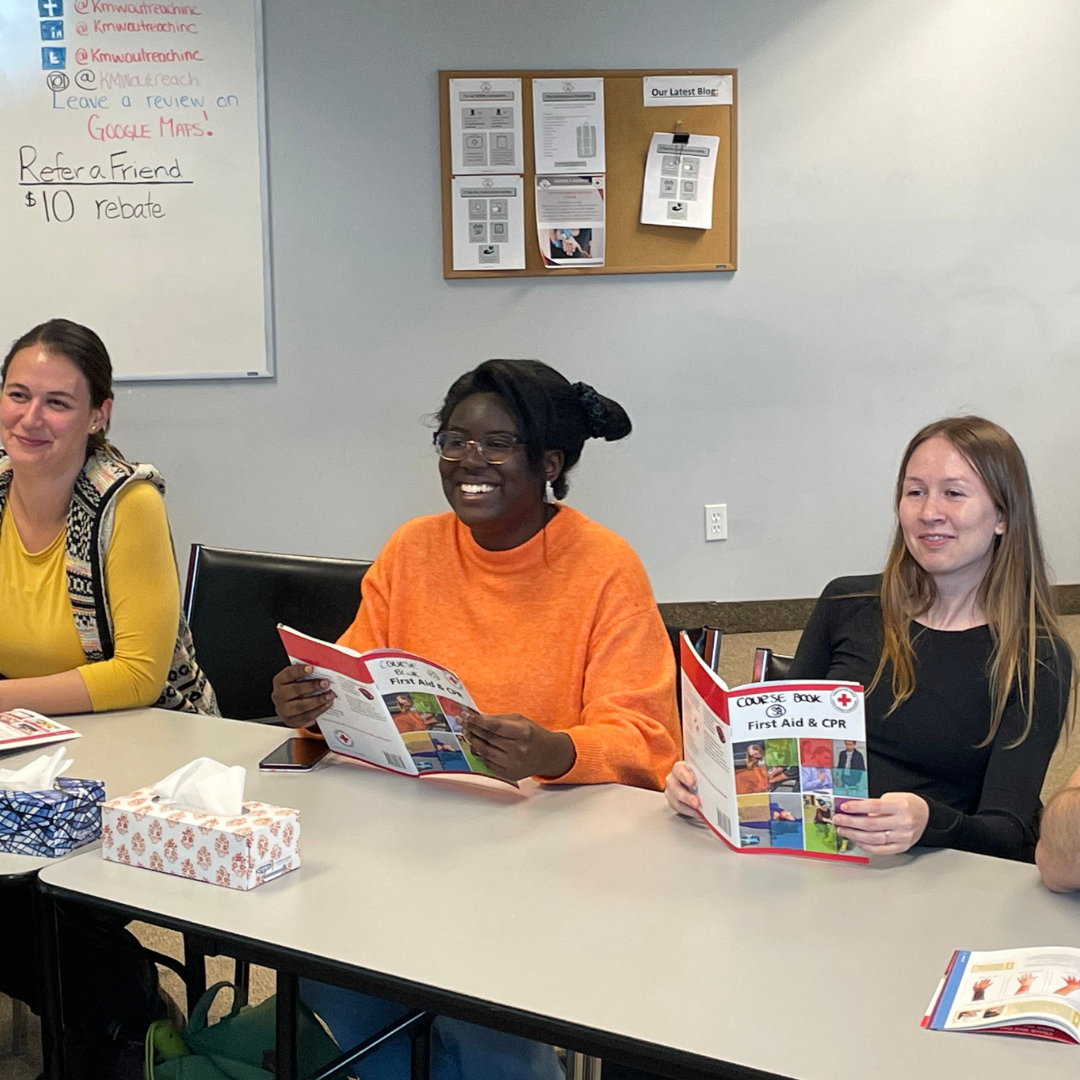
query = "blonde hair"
{"x": 1014, "y": 595}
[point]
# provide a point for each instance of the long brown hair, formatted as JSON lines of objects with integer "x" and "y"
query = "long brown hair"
{"x": 87, "y": 352}
{"x": 1014, "y": 595}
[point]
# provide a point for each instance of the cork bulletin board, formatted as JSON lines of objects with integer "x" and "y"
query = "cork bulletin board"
{"x": 631, "y": 248}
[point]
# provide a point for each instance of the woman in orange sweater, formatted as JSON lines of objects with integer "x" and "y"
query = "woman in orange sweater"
{"x": 548, "y": 619}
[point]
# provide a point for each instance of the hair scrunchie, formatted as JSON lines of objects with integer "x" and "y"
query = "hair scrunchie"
{"x": 594, "y": 407}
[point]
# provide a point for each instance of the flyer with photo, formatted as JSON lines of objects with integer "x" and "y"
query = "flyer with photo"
{"x": 570, "y": 220}
{"x": 393, "y": 709}
{"x": 774, "y": 760}
{"x": 1010, "y": 992}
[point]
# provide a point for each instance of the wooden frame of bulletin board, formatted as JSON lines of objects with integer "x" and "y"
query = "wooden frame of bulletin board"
{"x": 632, "y": 248}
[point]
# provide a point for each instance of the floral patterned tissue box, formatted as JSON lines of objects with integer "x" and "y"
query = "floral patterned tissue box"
{"x": 239, "y": 853}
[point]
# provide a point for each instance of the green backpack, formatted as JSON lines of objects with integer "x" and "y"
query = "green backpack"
{"x": 238, "y": 1047}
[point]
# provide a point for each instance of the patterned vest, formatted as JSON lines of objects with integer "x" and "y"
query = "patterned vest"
{"x": 89, "y": 533}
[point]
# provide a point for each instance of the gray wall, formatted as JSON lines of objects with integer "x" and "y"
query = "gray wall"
{"x": 909, "y": 247}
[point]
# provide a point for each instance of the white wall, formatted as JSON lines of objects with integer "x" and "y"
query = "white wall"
{"x": 909, "y": 238}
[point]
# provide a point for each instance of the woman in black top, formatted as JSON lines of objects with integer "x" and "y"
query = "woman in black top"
{"x": 957, "y": 643}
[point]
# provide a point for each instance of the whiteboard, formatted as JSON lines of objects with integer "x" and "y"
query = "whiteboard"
{"x": 133, "y": 192}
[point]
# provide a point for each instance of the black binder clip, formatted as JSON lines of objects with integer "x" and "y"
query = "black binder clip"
{"x": 680, "y": 137}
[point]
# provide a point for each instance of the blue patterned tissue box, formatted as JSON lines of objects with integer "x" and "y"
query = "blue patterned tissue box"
{"x": 53, "y": 822}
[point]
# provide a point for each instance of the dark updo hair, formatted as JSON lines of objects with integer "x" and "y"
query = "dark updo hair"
{"x": 551, "y": 413}
{"x": 86, "y": 351}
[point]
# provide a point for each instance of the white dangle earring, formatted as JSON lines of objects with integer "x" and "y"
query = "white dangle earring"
{"x": 549, "y": 492}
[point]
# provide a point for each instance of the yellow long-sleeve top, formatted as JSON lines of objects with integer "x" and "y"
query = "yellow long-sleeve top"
{"x": 37, "y": 630}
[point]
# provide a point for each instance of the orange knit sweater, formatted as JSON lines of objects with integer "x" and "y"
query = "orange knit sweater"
{"x": 562, "y": 629}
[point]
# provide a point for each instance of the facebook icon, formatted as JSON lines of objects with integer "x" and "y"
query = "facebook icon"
{"x": 52, "y": 29}
{"x": 50, "y": 9}
{"x": 53, "y": 59}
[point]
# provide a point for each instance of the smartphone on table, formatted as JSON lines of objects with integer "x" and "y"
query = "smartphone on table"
{"x": 295, "y": 755}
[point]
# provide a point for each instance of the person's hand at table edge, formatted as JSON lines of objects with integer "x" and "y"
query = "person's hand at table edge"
{"x": 681, "y": 790}
{"x": 514, "y": 747}
{"x": 300, "y": 700}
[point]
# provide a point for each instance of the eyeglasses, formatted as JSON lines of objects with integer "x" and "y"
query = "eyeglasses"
{"x": 494, "y": 449}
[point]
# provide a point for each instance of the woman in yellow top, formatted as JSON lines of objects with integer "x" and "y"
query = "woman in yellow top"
{"x": 91, "y": 621}
{"x": 88, "y": 582}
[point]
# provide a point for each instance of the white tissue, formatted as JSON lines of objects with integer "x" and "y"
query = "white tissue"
{"x": 207, "y": 785}
{"x": 39, "y": 775}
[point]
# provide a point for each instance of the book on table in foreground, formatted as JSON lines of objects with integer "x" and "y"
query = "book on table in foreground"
{"x": 1010, "y": 992}
{"x": 774, "y": 760}
{"x": 393, "y": 709}
{"x": 22, "y": 728}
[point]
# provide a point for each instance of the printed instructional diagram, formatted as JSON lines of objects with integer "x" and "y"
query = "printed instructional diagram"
{"x": 679, "y": 180}
{"x": 485, "y": 126}
{"x": 488, "y": 223}
{"x": 487, "y": 217}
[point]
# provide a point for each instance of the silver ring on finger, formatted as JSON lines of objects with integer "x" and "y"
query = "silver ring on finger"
{"x": 886, "y": 836}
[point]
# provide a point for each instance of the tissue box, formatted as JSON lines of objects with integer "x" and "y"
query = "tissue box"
{"x": 51, "y": 822}
{"x": 238, "y": 853}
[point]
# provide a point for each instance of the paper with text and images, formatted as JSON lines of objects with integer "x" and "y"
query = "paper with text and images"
{"x": 485, "y": 126}
{"x": 488, "y": 221}
{"x": 774, "y": 761}
{"x": 679, "y": 181}
{"x": 668, "y": 90}
{"x": 1033, "y": 991}
{"x": 568, "y": 125}
{"x": 393, "y": 708}
{"x": 23, "y": 728}
{"x": 570, "y": 220}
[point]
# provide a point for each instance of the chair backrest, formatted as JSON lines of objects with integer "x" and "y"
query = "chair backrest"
{"x": 234, "y": 601}
{"x": 770, "y": 666}
{"x": 697, "y": 635}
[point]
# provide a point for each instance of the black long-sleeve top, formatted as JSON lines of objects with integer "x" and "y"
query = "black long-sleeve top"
{"x": 982, "y": 799}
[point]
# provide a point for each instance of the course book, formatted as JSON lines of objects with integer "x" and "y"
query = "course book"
{"x": 774, "y": 760}
{"x": 393, "y": 709}
{"x": 1010, "y": 992}
{"x": 22, "y": 728}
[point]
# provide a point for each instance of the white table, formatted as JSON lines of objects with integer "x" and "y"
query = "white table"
{"x": 593, "y": 918}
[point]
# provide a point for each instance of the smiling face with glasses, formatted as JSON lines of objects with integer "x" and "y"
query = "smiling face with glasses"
{"x": 487, "y": 476}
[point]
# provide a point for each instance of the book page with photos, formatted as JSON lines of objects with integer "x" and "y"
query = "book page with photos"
{"x": 392, "y": 708}
{"x": 21, "y": 728}
{"x": 774, "y": 761}
{"x": 1010, "y": 992}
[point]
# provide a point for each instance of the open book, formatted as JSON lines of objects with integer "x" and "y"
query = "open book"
{"x": 774, "y": 760}
{"x": 22, "y": 728}
{"x": 393, "y": 709}
{"x": 1010, "y": 992}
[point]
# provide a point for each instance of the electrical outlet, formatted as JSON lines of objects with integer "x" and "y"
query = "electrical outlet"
{"x": 716, "y": 521}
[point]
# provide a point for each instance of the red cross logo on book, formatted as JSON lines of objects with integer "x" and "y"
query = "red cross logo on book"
{"x": 843, "y": 699}
{"x": 342, "y": 738}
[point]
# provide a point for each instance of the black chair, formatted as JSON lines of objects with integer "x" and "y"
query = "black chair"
{"x": 770, "y": 666}
{"x": 234, "y": 601}
{"x": 698, "y": 636}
